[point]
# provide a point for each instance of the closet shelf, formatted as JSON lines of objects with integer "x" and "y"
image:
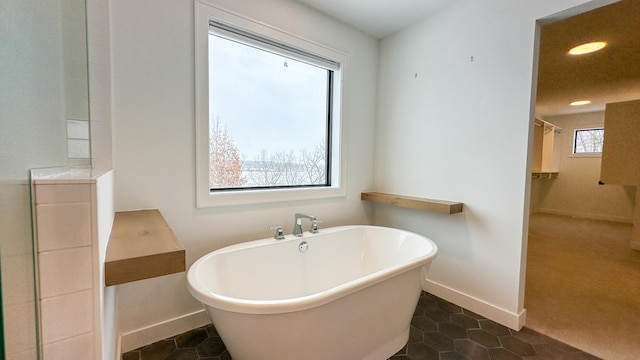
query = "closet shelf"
{"x": 542, "y": 174}
{"x": 141, "y": 246}
{"x": 439, "y": 206}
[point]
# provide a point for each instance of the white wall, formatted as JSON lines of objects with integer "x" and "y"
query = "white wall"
{"x": 575, "y": 192}
{"x": 460, "y": 130}
{"x": 32, "y": 134}
{"x": 99, "y": 57}
{"x": 154, "y": 138}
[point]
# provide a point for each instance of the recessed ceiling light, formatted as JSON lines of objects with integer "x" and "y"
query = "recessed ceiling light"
{"x": 580, "y": 102}
{"x": 587, "y": 48}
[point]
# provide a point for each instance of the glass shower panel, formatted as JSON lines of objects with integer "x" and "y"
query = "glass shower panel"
{"x": 43, "y": 89}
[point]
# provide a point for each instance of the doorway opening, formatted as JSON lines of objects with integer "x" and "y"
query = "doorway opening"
{"x": 583, "y": 279}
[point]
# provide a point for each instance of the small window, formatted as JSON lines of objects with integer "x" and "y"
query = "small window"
{"x": 588, "y": 141}
{"x": 268, "y": 113}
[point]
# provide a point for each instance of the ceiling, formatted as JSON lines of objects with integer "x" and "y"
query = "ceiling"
{"x": 378, "y": 18}
{"x": 610, "y": 75}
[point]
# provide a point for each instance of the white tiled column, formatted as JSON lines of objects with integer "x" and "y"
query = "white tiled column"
{"x": 65, "y": 268}
{"x": 74, "y": 214}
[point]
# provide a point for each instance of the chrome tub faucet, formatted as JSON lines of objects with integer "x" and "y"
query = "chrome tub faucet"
{"x": 297, "y": 226}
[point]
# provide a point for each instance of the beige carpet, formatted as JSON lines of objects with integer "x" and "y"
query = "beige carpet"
{"x": 583, "y": 285}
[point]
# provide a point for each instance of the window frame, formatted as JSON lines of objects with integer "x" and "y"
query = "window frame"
{"x": 205, "y": 14}
{"x": 575, "y": 136}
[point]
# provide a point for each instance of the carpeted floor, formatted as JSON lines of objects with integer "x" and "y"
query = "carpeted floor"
{"x": 583, "y": 285}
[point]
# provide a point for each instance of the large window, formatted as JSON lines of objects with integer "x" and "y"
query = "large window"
{"x": 268, "y": 113}
{"x": 588, "y": 141}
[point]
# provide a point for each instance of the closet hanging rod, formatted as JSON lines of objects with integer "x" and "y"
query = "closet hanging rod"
{"x": 539, "y": 122}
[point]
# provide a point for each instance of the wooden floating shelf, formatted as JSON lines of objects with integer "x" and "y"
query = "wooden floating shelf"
{"x": 439, "y": 206}
{"x": 141, "y": 246}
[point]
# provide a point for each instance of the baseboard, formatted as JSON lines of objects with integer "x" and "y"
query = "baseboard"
{"x": 580, "y": 215}
{"x": 148, "y": 335}
{"x": 491, "y": 312}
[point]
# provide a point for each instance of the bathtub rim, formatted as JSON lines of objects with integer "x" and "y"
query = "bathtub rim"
{"x": 280, "y": 306}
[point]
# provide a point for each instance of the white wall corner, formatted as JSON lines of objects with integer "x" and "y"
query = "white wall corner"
{"x": 504, "y": 317}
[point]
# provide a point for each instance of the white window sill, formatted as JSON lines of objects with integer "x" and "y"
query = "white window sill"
{"x": 593, "y": 155}
{"x": 247, "y": 197}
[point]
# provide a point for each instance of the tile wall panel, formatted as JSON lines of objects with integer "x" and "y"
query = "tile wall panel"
{"x": 17, "y": 264}
{"x": 66, "y": 316}
{"x": 79, "y": 149}
{"x": 77, "y": 129}
{"x": 74, "y": 348}
{"x": 63, "y": 226}
{"x": 27, "y": 355}
{"x": 20, "y": 283}
{"x": 72, "y": 193}
{"x": 20, "y": 319}
{"x": 65, "y": 271}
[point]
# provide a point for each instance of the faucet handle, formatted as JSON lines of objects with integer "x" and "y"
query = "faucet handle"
{"x": 314, "y": 226}
{"x": 279, "y": 233}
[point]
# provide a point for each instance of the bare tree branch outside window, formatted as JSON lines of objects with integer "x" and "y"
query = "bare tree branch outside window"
{"x": 280, "y": 168}
{"x": 588, "y": 141}
{"x": 285, "y": 168}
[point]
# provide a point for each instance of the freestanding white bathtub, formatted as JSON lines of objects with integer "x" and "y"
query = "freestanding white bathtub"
{"x": 350, "y": 295}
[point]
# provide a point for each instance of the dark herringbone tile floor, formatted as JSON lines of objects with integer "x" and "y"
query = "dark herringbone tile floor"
{"x": 439, "y": 331}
